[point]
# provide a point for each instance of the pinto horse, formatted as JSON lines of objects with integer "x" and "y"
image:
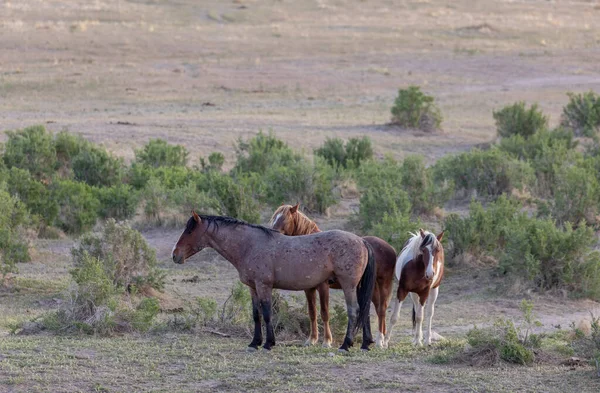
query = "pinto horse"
{"x": 419, "y": 270}
{"x": 266, "y": 259}
{"x": 290, "y": 221}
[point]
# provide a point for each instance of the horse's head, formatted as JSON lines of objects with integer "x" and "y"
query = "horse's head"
{"x": 433, "y": 252}
{"x": 283, "y": 219}
{"x": 191, "y": 241}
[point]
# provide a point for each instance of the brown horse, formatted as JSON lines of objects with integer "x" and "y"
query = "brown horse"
{"x": 266, "y": 259}
{"x": 419, "y": 270}
{"x": 290, "y": 221}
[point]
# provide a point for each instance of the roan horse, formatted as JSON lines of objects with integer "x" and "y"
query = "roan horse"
{"x": 290, "y": 221}
{"x": 419, "y": 270}
{"x": 266, "y": 259}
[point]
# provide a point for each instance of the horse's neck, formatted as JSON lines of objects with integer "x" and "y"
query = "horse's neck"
{"x": 232, "y": 242}
{"x": 307, "y": 228}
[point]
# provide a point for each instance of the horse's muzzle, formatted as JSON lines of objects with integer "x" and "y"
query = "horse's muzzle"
{"x": 178, "y": 259}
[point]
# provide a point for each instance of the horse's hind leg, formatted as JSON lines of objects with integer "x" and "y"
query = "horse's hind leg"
{"x": 352, "y": 308}
{"x": 324, "y": 301}
{"x": 433, "y": 294}
{"x": 264, "y": 295}
{"x": 311, "y": 300}
{"x": 377, "y": 302}
{"x": 257, "y": 339}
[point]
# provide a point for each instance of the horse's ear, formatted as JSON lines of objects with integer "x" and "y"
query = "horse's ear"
{"x": 294, "y": 208}
{"x": 196, "y": 216}
{"x": 440, "y": 236}
{"x": 422, "y": 232}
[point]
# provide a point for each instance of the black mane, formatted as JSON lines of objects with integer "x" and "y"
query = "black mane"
{"x": 225, "y": 221}
{"x": 427, "y": 240}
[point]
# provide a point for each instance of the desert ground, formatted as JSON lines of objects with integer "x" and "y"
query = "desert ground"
{"x": 205, "y": 73}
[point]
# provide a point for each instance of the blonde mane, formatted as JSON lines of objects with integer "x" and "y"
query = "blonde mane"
{"x": 301, "y": 223}
{"x": 411, "y": 250}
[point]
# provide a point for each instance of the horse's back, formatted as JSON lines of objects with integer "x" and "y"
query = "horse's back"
{"x": 385, "y": 256}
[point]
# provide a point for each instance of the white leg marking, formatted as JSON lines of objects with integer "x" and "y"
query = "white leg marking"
{"x": 393, "y": 321}
{"x": 433, "y": 294}
{"x": 418, "y": 340}
{"x": 379, "y": 340}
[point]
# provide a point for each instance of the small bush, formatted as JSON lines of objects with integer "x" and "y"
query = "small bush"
{"x": 553, "y": 258}
{"x": 68, "y": 146}
{"x": 158, "y": 153}
{"x": 78, "y": 206}
{"x": 301, "y": 181}
{"x": 124, "y": 254}
{"x": 13, "y": 247}
{"x": 582, "y": 113}
{"x": 215, "y": 162}
{"x": 189, "y": 197}
{"x": 395, "y": 229}
{"x": 352, "y": 154}
{"x": 484, "y": 230}
{"x": 415, "y": 109}
{"x": 96, "y": 167}
{"x": 31, "y": 149}
{"x": 235, "y": 198}
{"x": 144, "y": 314}
{"x": 262, "y": 152}
{"x": 237, "y": 309}
{"x": 489, "y": 173}
{"x": 375, "y": 204}
{"x": 516, "y": 119}
{"x": 119, "y": 201}
{"x": 32, "y": 193}
{"x": 156, "y": 200}
{"x": 501, "y": 341}
{"x": 417, "y": 181}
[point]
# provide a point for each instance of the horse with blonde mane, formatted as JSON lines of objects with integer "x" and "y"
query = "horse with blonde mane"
{"x": 290, "y": 221}
{"x": 419, "y": 270}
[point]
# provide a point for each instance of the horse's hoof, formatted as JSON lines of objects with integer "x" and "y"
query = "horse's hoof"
{"x": 343, "y": 350}
{"x": 367, "y": 349}
{"x": 326, "y": 345}
{"x": 266, "y": 350}
{"x": 251, "y": 349}
{"x": 309, "y": 343}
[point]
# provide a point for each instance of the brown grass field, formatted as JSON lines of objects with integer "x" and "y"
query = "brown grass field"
{"x": 205, "y": 73}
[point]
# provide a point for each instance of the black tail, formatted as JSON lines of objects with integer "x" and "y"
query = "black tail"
{"x": 414, "y": 317}
{"x": 364, "y": 291}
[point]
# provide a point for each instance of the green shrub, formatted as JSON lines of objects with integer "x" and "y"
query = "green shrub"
{"x": 124, "y": 255}
{"x": 262, "y": 152}
{"x": 576, "y": 195}
{"x": 189, "y": 197}
{"x": 235, "y": 198}
{"x": 215, "y": 162}
{"x": 376, "y": 203}
{"x": 484, "y": 230}
{"x": 352, "y": 154}
{"x": 517, "y": 120}
{"x": 78, "y": 206}
{"x": 551, "y": 257}
{"x": 119, "y": 201}
{"x": 301, "y": 181}
{"x": 156, "y": 200}
{"x": 95, "y": 285}
{"x": 96, "y": 167}
{"x": 287, "y": 319}
{"x": 237, "y": 309}
{"x": 490, "y": 172}
{"x": 582, "y": 113}
{"x": 417, "y": 181}
{"x": 158, "y": 153}
{"x": 502, "y": 340}
{"x": 395, "y": 229}
{"x": 169, "y": 177}
{"x": 415, "y": 109}
{"x": 546, "y": 151}
{"x": 68, "y": 146}
{"x": 32, "y": 193}
{"x": 13, "y": 247}
{"x": 31, "y": 149}
{"x": 144, "y": 314}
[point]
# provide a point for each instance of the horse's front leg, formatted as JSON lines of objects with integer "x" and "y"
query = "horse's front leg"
{"x": 433, "y": 294}
{"x": 264, "y": 295}
{"x": 418, "y": 304}
{"x": 324, "y": 301}
{"x": 311, "y": 301}
{"x": 395, "y": 315}
{"x": 257, "y": 339}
